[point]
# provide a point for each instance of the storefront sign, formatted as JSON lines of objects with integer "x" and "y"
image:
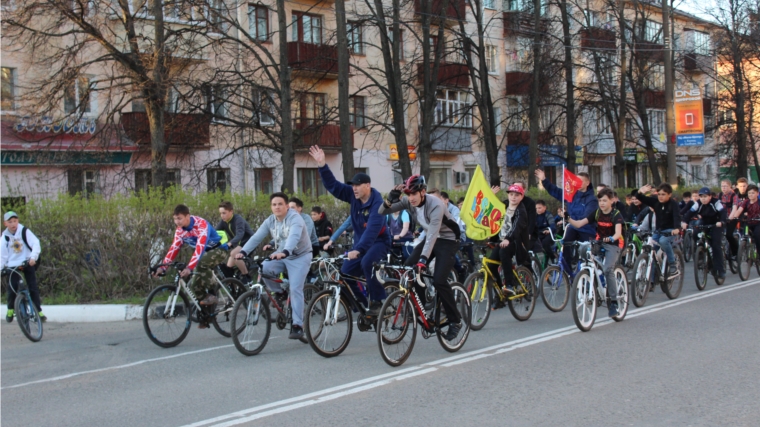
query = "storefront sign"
{"x": 689, "y": 118}
{"x": 393, "y": 152}
{"x": 32, "y": 158}
{"x": 47, "y": 124}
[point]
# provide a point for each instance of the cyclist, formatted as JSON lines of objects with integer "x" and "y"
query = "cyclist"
{"x": 441, "y": 240}
{"x": 344, "y": 228}
{"x": 751, "y": 208}
{"x": 455, "y": 210}
{"x": 297, "y": 204}
{"x": 686, "y": 203}
{"x": 740, "y": 195}
{"x": 545, "y": 228}
{"x": 238, "y": 232}
{"x": 511, "y": 237}
{"x": 609, "y": 230}
{"x": 292, "y": 245}
{"x": 635, "y": 208}
{"x": 196, "y": 231}
{"x": 711, "y": 212}
{"x": 667, "y": 218}
{"x": 371, "y": 236}
{"x": 19, "y": 245}
{"x": 322, "y": 225}
{"x": 584, "y": 203}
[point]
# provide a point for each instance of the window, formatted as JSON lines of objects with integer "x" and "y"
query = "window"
{"x": 258, "y": 22}
{"x": 655, "y": 77}
{"x": 497, "y": 120}
{"x": 696, "y": 174}
{"x": 453, "y": 108}
{"x": 170, "y": 106}
{"x": 701, "y": 43}
{"x": 595, "y": 173}
{"x": 656, "y": 122}
{"x": 439, "y": 178}
{"x": 218, "y": 179}
{"x": 522, "y": 6}
{"x": 310, "y": 182}
{"x": 264, "y": 178}
{"x": 355, "y": 32}
{"x": 489, "y": 4}
{"x": 216, "y": 104}
{"x": 400, "y": 43}
{"x": 307, "y": 28}
{"x": 518, "y": 117}
{"x": 263, "y": 107}
{"x": 84, "y": 182}
{"x": 653, "y": 31}
{"x": 76, "y": 97}
{"x": 144, "y": 178}
{"x": 218, "y": 15}
{"x": 630, "y": 130}
{"x": 356, "y": 112}
{"x": 310, "y": 108}
{"x": 492, "y": 59}
{"x": 607, "y": 67}
{"x": 8, "y": 89}
{"x": 591, "y": 17}
{"x": 599, "y": 123}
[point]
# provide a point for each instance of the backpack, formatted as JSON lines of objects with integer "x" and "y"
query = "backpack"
{"x": 26, "y": 242}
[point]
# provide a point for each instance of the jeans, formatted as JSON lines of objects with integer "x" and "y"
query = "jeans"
{"x": 362, "y": 267}
{"x": 732, "y": 242}
{"x": 611, "y": 255}
{"x": 297, "y": 269}
{"x": 666, "y": 243}
{"x": 30, "y": 275}
{"x": 716, "y": 243}
{"x": 755, "y": 232}
{"x": 443, "y": 251}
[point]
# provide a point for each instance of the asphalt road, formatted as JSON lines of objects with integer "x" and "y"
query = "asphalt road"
{"x": 692, "y": 361}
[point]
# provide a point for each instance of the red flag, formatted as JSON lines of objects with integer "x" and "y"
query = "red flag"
{"x": 572, "y": 184}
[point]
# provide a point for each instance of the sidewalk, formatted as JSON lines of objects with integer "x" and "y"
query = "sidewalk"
{"x": 89, "y": 313}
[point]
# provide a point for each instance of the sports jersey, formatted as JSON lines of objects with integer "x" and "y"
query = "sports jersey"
{"x": 198, "y": 233}
{"x": 605, "y": 223}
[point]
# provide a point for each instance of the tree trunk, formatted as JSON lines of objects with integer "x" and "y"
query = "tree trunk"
{"x": 286, "y": 143}
{"x": 346, "y": 141}
{"x": 620, "y": 164}
{"x": 742, "y": 156}
{"x": 535, "y": 94}
{"x": 569, "y": 88}
{"x": 154, "y": 95}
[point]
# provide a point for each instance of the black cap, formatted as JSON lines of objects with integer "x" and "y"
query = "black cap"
{"x": 359, "y": 178}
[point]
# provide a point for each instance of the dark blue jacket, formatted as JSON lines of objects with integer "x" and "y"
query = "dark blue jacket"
{"x": 584, "y": 204}
{"x": 368, "y": 224}
{"x": 545, "y": 221}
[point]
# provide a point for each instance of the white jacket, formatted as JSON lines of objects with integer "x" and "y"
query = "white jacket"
{"x": 13, "y": 250}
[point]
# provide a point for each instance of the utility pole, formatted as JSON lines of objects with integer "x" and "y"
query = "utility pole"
{"x": 670, "y": 122}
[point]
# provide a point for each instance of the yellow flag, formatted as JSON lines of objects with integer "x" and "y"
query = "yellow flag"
{"x": 481, "y": 212}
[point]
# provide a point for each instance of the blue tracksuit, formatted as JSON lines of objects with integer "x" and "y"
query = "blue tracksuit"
{"x": 371, "y": 236}
{"x": 584, "y": 204}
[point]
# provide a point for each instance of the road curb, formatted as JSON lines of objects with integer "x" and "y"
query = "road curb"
{"x": 89, "y": 312}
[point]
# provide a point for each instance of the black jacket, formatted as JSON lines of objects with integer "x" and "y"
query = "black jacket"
{"x": 519, "y": 230}
{"x": 238, "y": 231}
{"x": 667, "y": 214}
{"x": 323, "y": 227}
{"x": 710, "y": 213}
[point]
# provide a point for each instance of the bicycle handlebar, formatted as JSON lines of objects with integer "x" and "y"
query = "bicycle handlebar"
{"x": 8, "y": 270}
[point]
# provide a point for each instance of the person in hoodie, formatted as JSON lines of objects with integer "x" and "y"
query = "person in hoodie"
{"x": 323, "y": 227}
{"x": 20, "y": 245}
{"x": 710, "y": 211}
{"x": 584, "y": 203}
{"x": 297, "y": 205}
{"x": 292, "y": 245}
{"x": 372, "y": 239}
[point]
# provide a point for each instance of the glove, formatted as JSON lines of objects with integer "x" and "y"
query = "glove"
{"x": 422, "y": 263}
{"x": 394, "y": 196}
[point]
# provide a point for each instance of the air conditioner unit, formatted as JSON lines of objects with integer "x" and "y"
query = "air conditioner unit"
{"x": 461, "y": 178}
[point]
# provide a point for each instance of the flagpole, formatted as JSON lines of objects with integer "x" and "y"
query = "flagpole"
{"x": 563, "y": 193}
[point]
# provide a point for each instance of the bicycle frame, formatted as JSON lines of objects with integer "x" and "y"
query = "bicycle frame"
{"x": 591, "y": 264}
{"x": 654, "y": 258}
{"x": 185, "y": 287}
{"x": 487, "y": 272}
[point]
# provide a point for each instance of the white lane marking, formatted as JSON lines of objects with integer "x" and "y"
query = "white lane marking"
{"x": 313, "y": 398}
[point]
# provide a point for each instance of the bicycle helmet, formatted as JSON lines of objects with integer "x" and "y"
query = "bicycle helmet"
{"x": 414, "y": 184}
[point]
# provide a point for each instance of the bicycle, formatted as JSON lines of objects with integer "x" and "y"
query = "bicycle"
{"x": 480, "y": 286}
{"x": 651, "y": 268}
{"x": 633, "y": 247}
{"x": 728, "y": 261}
{"x": 590, "y": 288}
{"x": 688, "y": 244}
{"x": 555, "y": 281}
{"x": 163, "y": 312}
{"x": 28, "y": 317}
{"x": 747, "y": 253}
{"x": 703, "y": 259}
{"x": 329, "y": 316}
{"x": 251, "y": 314}
{"x": 397, "y": 324}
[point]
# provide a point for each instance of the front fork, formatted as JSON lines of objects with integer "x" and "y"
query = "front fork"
{"x": 254, "y": 310}
{"x": 331, "y": 312}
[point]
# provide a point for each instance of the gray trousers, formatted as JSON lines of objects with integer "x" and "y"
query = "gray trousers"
{"x": 611, "y": 255}
{"x": 297, "y": 269}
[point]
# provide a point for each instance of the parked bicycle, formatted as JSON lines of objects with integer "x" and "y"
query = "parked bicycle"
{"x": 26, "y": 313}
{"x": 651, "y": 268}
{"x": 747, "y": 253}
{"x": 590, "y": 289}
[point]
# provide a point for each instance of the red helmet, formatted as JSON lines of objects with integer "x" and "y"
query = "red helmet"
{"x": 414, "y": 184}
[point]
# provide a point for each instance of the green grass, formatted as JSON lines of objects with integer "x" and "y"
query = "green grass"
{"x": 68, "y": 299}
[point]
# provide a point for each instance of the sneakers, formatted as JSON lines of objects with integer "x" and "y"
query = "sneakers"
{"x": 209, "y": 300}
{"x": 9, "y": 316}
{"x": 507, "y": 290}
{"x": 43, "y": 317}
{"x": 453, "y": 331}
{"x": 673, "y": 271}
{"x": 613, "y": 309}
{"x": 722, "y": 275}
{"x": 374, "y": 308}
{"x": 296, "y": 332}
{"x": 281, "y": 298}
{"x": 203, "y": 325}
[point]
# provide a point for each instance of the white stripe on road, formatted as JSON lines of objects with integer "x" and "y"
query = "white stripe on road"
{"x": 258, "y": 412}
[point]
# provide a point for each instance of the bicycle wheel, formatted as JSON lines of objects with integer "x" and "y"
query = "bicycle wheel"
{"x": 672, "y": 288}
{"x": 701, "y": 268}
{"x": 328, "y": 337}
{"x": 622, "y": 293}
{"x": 756, "y": 259}
{"x": 166, "y": 316}
{"x": 251, "y": 322}
{"x": 522, "y": 306}
{"x": 462, "y": 302}
{"x": 628, "y": 257}
{"x": 745, "y": 265}
{"x": 688, "y": 246}
{"x": 224, "y": 303}
{"x": 28, "y": 318}
{"x": 555, "y": 288}
{"x": 535, "y": 267}
{"x": 584, "y": 302}
{"x": 728, "y": 263}
{"x": 480, "y": 300}
{"x": 397, "y": 328}
{"x": 640, "y": 283}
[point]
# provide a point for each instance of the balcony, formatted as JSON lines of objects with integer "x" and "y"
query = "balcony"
{"x": 180, "y": 130}
{"x": 598, "y": 38}
{"x": 697, "y": 63}
{"x": 326, "y": 135}
{"x": 603, "y": 144}
{"x": 654, "y": 99}
{"x": 519, "y": 82}
{"x": 650, "y": 51}
{"x": 455, "y": 9}
{"x": 449, "y": 74}
{"x": 522, "y": 137}
{"x": 451, "y": 140}
{"x": 522, "y": 23}
{"x": 313, "y": 60}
